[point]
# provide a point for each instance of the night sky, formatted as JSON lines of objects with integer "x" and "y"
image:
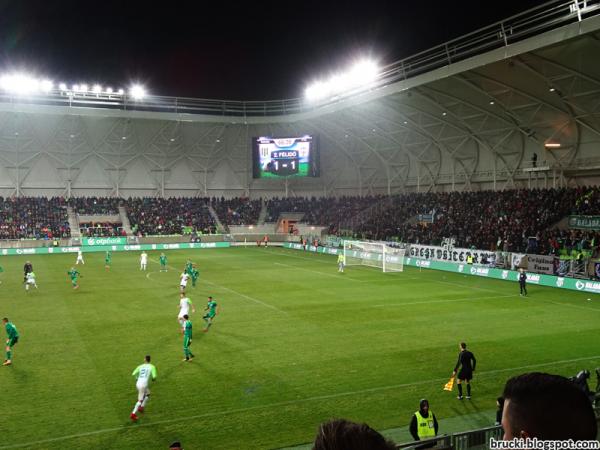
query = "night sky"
{"x": 251, "y": 50}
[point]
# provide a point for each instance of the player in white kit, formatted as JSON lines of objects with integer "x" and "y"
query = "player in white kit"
{"x": 184, "y": 308}
{"x": 183, "y": 283}
{"x": 79, "y": 257}
{"x": 143, "y": 373}
{"x": 143, "y": 260}
{"x": 30, "y": 281}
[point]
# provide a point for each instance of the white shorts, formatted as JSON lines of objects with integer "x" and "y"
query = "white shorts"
{"x": 182, "y": 286}
{"x": 30, "y": 281}
{"x": 143, "y": 391}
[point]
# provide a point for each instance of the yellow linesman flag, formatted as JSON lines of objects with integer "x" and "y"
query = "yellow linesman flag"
{"x": 449, "y": 385}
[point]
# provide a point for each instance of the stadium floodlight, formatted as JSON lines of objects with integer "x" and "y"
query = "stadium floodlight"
{"x": 83, "y": 87}
{"x": 46, "y": 85}
{"x": 62, "y": 86}
{"x": 137, "y": 91}
{"x": 360, "y": 76}
{"x": 19, "y": 83}
{"x": 75, "y": 88}
{"x": 121, "y": 92}
{"x": 109, "y": 90}
{"x": 97, "y": 89}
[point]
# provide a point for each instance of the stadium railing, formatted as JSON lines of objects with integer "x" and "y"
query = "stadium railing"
{"x": 542, "y": 18}
{"x": 465, "y": 440}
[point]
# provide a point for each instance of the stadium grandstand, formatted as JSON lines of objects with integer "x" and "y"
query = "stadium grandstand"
{"x": 483, "y": 147}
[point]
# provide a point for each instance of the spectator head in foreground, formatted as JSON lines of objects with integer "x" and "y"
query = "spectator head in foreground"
{"x": 341, "y": 434}
{"x": 547, "y": 407}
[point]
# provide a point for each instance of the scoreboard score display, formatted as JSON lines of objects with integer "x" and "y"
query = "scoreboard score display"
{"x": 285, "y": 157}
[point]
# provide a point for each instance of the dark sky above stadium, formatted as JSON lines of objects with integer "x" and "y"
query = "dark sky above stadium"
{"x": 251, "y": 50}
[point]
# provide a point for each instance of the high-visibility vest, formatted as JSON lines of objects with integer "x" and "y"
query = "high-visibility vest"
{"x": 469, "y": 259}
{"x": 425, "y": 426}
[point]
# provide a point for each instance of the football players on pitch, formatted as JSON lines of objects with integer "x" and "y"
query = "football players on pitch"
{"x": 143, "y": 373}
{"x": 163, "y": 262}
{"x": 107, "y": 260}
{"x": 186, "y": 329}
{"x": 212, "y": 309}
{"x": 341, "y": 263}
{"x": 79, "y": 257}
{"x": 30, "y": 281}
{"x": 183, "y": 281}
{"x": 13, "y": 338}
{"x": 466, "y": 362}
{"x": 184, "y": 307}
{"x": 74, "y": 275}
{"x": 143, "y": 260}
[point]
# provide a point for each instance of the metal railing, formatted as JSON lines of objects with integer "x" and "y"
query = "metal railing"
{"x": 540, "y": 19}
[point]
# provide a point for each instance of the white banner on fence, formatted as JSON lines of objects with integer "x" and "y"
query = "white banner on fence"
{"x": 540, "y": 264}
{"x": 518, "y": 260}
{"x": 436, "y": 253}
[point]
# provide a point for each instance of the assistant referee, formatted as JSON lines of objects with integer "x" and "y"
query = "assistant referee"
{"x": 466, "y": 362}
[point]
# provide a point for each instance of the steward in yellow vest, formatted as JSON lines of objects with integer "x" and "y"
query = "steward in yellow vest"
{"x": 424, "y": 424}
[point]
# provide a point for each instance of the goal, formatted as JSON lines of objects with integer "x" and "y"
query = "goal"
{"x": 374, "y": 254}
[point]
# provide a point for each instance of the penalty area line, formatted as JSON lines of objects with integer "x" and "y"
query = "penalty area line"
{"x": 290, "y": 402}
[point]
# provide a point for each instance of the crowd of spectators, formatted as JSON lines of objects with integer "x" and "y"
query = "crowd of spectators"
{"x": 237, "y": 211}
{"x": 33, "y": 218}
{"x": 101, "y": 229}
{"x": 167, "y": 216}
{"x": 511, "y": 220}
{"x": 95, "y": 205}
{"x": 520, "y": 220}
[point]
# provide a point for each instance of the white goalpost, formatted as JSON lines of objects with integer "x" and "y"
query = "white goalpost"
{"x": 374, "y": 254}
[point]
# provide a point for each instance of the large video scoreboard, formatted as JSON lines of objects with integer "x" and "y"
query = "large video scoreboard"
{"x": 285, "y": 157}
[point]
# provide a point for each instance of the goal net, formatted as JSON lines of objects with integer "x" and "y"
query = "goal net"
{"x": 374, "y": 254}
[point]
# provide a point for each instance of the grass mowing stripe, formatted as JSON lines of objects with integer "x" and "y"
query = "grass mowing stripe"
{"x": 392, "y": 305}
{"x": 292, "y": 402}
{"x": 247, "y": 297}
{"x": 318, "y": 272}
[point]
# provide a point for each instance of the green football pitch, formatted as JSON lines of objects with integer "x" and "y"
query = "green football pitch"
{"x": 295, "y": 343}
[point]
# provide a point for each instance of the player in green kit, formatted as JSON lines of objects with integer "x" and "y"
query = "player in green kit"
{"x": 74, "y": 274}
{"x": 1, "y": 270}
{"x": 107, "y": 260}
{"x": 186, "y": 329}
{"x": 188, "y": 268}
{"x": 163, "y": 262}
{"x": 13, "y": 338}
{"x": 212, "y": 309}
{"x": 195, "y": 275}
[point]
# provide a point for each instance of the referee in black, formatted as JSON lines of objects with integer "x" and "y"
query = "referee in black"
{"x": 27, "y": 268}
{"x": 466, "y": 362}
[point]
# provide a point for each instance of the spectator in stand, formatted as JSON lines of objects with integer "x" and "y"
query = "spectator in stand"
{"x": 341, "y": 434}
{"x": 547, "y": 407}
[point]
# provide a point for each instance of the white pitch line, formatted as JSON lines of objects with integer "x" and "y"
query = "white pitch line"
{"x": 291, "y": 402}
{"x": 444, "y": 301}
{"x": 232, "y": 291}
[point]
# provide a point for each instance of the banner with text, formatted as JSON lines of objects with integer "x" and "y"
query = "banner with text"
{"x": 436, "y": 253}
{"x": 585, "y": 222}
{"x": 113, "y": 248}
{"x": 540, "y": 264}
{"x": 104, "y": 241}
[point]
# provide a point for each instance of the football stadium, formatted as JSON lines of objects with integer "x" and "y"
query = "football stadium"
{"x": 407, "y": 252}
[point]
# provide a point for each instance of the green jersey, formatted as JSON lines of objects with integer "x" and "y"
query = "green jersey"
{"x": 187, "y": 329}
{"x": 108, "y": 257}
{"x": 211, "y": 306}
{"x": 1, "y": 269}
{"x": 11, "y": 331}
{"x": 163, "y": 260}
{"x": 144, "y": 372}
{"x": 73, "y": 274}
{"x": 188, "y": 268}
